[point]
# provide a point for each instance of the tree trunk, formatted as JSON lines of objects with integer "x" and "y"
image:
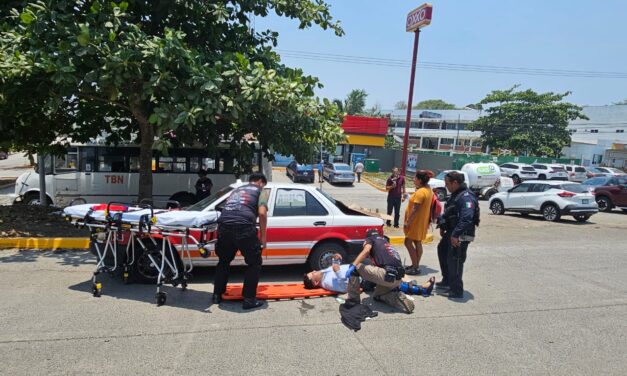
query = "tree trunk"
{"x": 147, "y": 139}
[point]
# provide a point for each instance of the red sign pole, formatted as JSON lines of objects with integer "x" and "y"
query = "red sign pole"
{"x": 409, "y": 100}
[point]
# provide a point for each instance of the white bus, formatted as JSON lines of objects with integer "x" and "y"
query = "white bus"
{"x": 98, "y": 174}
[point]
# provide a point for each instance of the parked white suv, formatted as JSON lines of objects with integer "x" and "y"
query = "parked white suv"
{"x": 552, "y": 199}
{"x": 519, "y": 171}
{"x": 550, "y": 171}
{"x": 576, "y": 173}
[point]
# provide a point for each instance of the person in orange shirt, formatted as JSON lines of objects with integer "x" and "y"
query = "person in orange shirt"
{"x": 417, "y": 218}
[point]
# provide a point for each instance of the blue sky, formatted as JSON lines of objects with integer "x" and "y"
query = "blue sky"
{"x": 556, "y": 34}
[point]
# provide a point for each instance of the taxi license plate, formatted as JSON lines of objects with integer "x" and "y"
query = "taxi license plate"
{"x": 584, "y": 201}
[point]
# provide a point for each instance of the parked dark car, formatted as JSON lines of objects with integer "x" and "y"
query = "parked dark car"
{"x": 3, "y": 154}
{"x": 611, "y": 194}
{"x": 300, "y": 172}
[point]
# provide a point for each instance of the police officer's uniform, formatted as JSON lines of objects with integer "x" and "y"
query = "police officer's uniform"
{"x": 458, "y": 221}
{"x": 237, "y": 231}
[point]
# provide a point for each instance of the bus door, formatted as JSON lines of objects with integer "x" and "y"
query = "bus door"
{"x": 66, "y": 177}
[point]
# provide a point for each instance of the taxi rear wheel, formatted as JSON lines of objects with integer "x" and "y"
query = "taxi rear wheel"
{"x": 321, "y": 255}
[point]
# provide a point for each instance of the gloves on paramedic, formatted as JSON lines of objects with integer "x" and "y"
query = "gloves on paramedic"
{"x": 350, "y": 271}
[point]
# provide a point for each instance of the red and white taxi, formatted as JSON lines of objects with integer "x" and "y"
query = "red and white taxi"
{"x": 305, "y": 225}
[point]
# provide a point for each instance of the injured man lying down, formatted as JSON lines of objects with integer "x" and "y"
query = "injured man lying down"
{"x": 334, "y": 279}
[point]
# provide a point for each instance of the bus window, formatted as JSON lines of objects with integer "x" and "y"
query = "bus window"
{"x": 68, "y": 162}
{"x": 87, "y": 161}
{"x": 134, "y": 164}
{"x": 165, "y": 164}
{"x": 255, "y": 165}
{"x": 110, "y": 161}
{"x": 196, "y": 163}
{"x": 226, "y": 165}
{"x": 179, "y": 164}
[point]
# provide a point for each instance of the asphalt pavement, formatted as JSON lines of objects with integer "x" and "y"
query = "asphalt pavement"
{"x": 541, "y": 298}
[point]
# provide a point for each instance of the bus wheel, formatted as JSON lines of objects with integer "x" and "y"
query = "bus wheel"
{"x": 184, "y": 199}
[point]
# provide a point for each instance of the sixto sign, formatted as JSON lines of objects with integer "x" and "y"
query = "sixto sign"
{"x": 419, "y": 17}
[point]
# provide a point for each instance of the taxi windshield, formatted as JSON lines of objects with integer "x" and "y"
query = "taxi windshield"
{"x": 200, "y": 205}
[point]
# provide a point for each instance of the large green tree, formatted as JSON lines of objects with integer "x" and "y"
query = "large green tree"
{"x": 526, "y": 122}
{"x": 196, "y": 69}
{"x": 434, "y": 104}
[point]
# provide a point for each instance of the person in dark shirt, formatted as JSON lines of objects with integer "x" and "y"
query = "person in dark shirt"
{"x": 386, "y": 270}
{"x": 203, "y": 185}
{"x": 457, "y": 227}
{"x": 237, "y": 231}
{"x": 395, "y": 186}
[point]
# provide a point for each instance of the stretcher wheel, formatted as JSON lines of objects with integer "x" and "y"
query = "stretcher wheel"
{"x": 125, "y": 276}
{"x": 96, "y": 290}
{"x": 203, "y": 252}
{"x": 161, "y": 298}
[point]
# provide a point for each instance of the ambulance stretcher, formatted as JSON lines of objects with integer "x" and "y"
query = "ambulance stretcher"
{"x": 115, "y": 225}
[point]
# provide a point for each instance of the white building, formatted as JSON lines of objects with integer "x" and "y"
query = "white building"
{"x": 438, "y": 129}
{"x": 446, "y": 130}
{"x": 607, "y": 125}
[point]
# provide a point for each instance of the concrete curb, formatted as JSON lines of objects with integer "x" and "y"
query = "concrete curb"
{"x": 373, "y": 185}
{"x": 45, "y": 243}
{"x": 83, "y": 243}
{"x": 397, "y": 240}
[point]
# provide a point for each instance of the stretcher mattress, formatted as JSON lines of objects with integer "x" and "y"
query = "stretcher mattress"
{"x": 275, "y": 292}
{"x": 175, "y": 218}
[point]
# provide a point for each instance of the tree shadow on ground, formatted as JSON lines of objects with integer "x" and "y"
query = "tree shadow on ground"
{"x": 63, "y": 257}
{"x": 199, "y": 291}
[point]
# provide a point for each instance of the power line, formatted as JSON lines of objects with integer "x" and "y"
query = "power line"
{"x": 338, "y": 58}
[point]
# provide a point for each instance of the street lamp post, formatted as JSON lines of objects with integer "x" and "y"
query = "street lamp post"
{"x": 416, "y": 19}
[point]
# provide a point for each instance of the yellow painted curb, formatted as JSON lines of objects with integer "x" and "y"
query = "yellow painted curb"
{"x": 373, "y": 185}
{"x": 44, "y": 243}
{"x": 397, "y": 240}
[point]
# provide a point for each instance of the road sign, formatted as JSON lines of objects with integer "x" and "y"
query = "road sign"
{"x": 419, "y": 17}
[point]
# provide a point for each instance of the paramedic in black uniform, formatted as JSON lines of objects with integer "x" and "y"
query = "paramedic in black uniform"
{"x": 237, "y": 231}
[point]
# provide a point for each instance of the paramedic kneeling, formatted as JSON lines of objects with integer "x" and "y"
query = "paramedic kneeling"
{"x": 386, "y": 271}
{"x": 237, "y": 231}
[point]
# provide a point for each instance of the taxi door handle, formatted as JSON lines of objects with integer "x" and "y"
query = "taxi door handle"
{"x": 320, "y": 223}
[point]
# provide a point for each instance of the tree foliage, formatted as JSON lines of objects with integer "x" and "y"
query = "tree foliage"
{"x": 390, "y": 143}
{"x": 400, "y": 105}
{"x": 355, "y": 102}
{"x": 195, "y": 69}
{"x": 526, "y": 122}
{"x": 434, "y": 104}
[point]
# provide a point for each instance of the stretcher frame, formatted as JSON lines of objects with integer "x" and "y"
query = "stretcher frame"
{"x": 116, "y": 230}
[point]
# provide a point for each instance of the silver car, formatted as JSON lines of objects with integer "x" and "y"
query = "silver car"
{"x": 338, "y": 173}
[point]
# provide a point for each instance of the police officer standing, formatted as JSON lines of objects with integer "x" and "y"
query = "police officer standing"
{"x": 237, "y": 231}
{"x": 457, "y": 227}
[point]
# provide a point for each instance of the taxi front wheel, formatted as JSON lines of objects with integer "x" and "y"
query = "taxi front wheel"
{"x": 322, "y": 255}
